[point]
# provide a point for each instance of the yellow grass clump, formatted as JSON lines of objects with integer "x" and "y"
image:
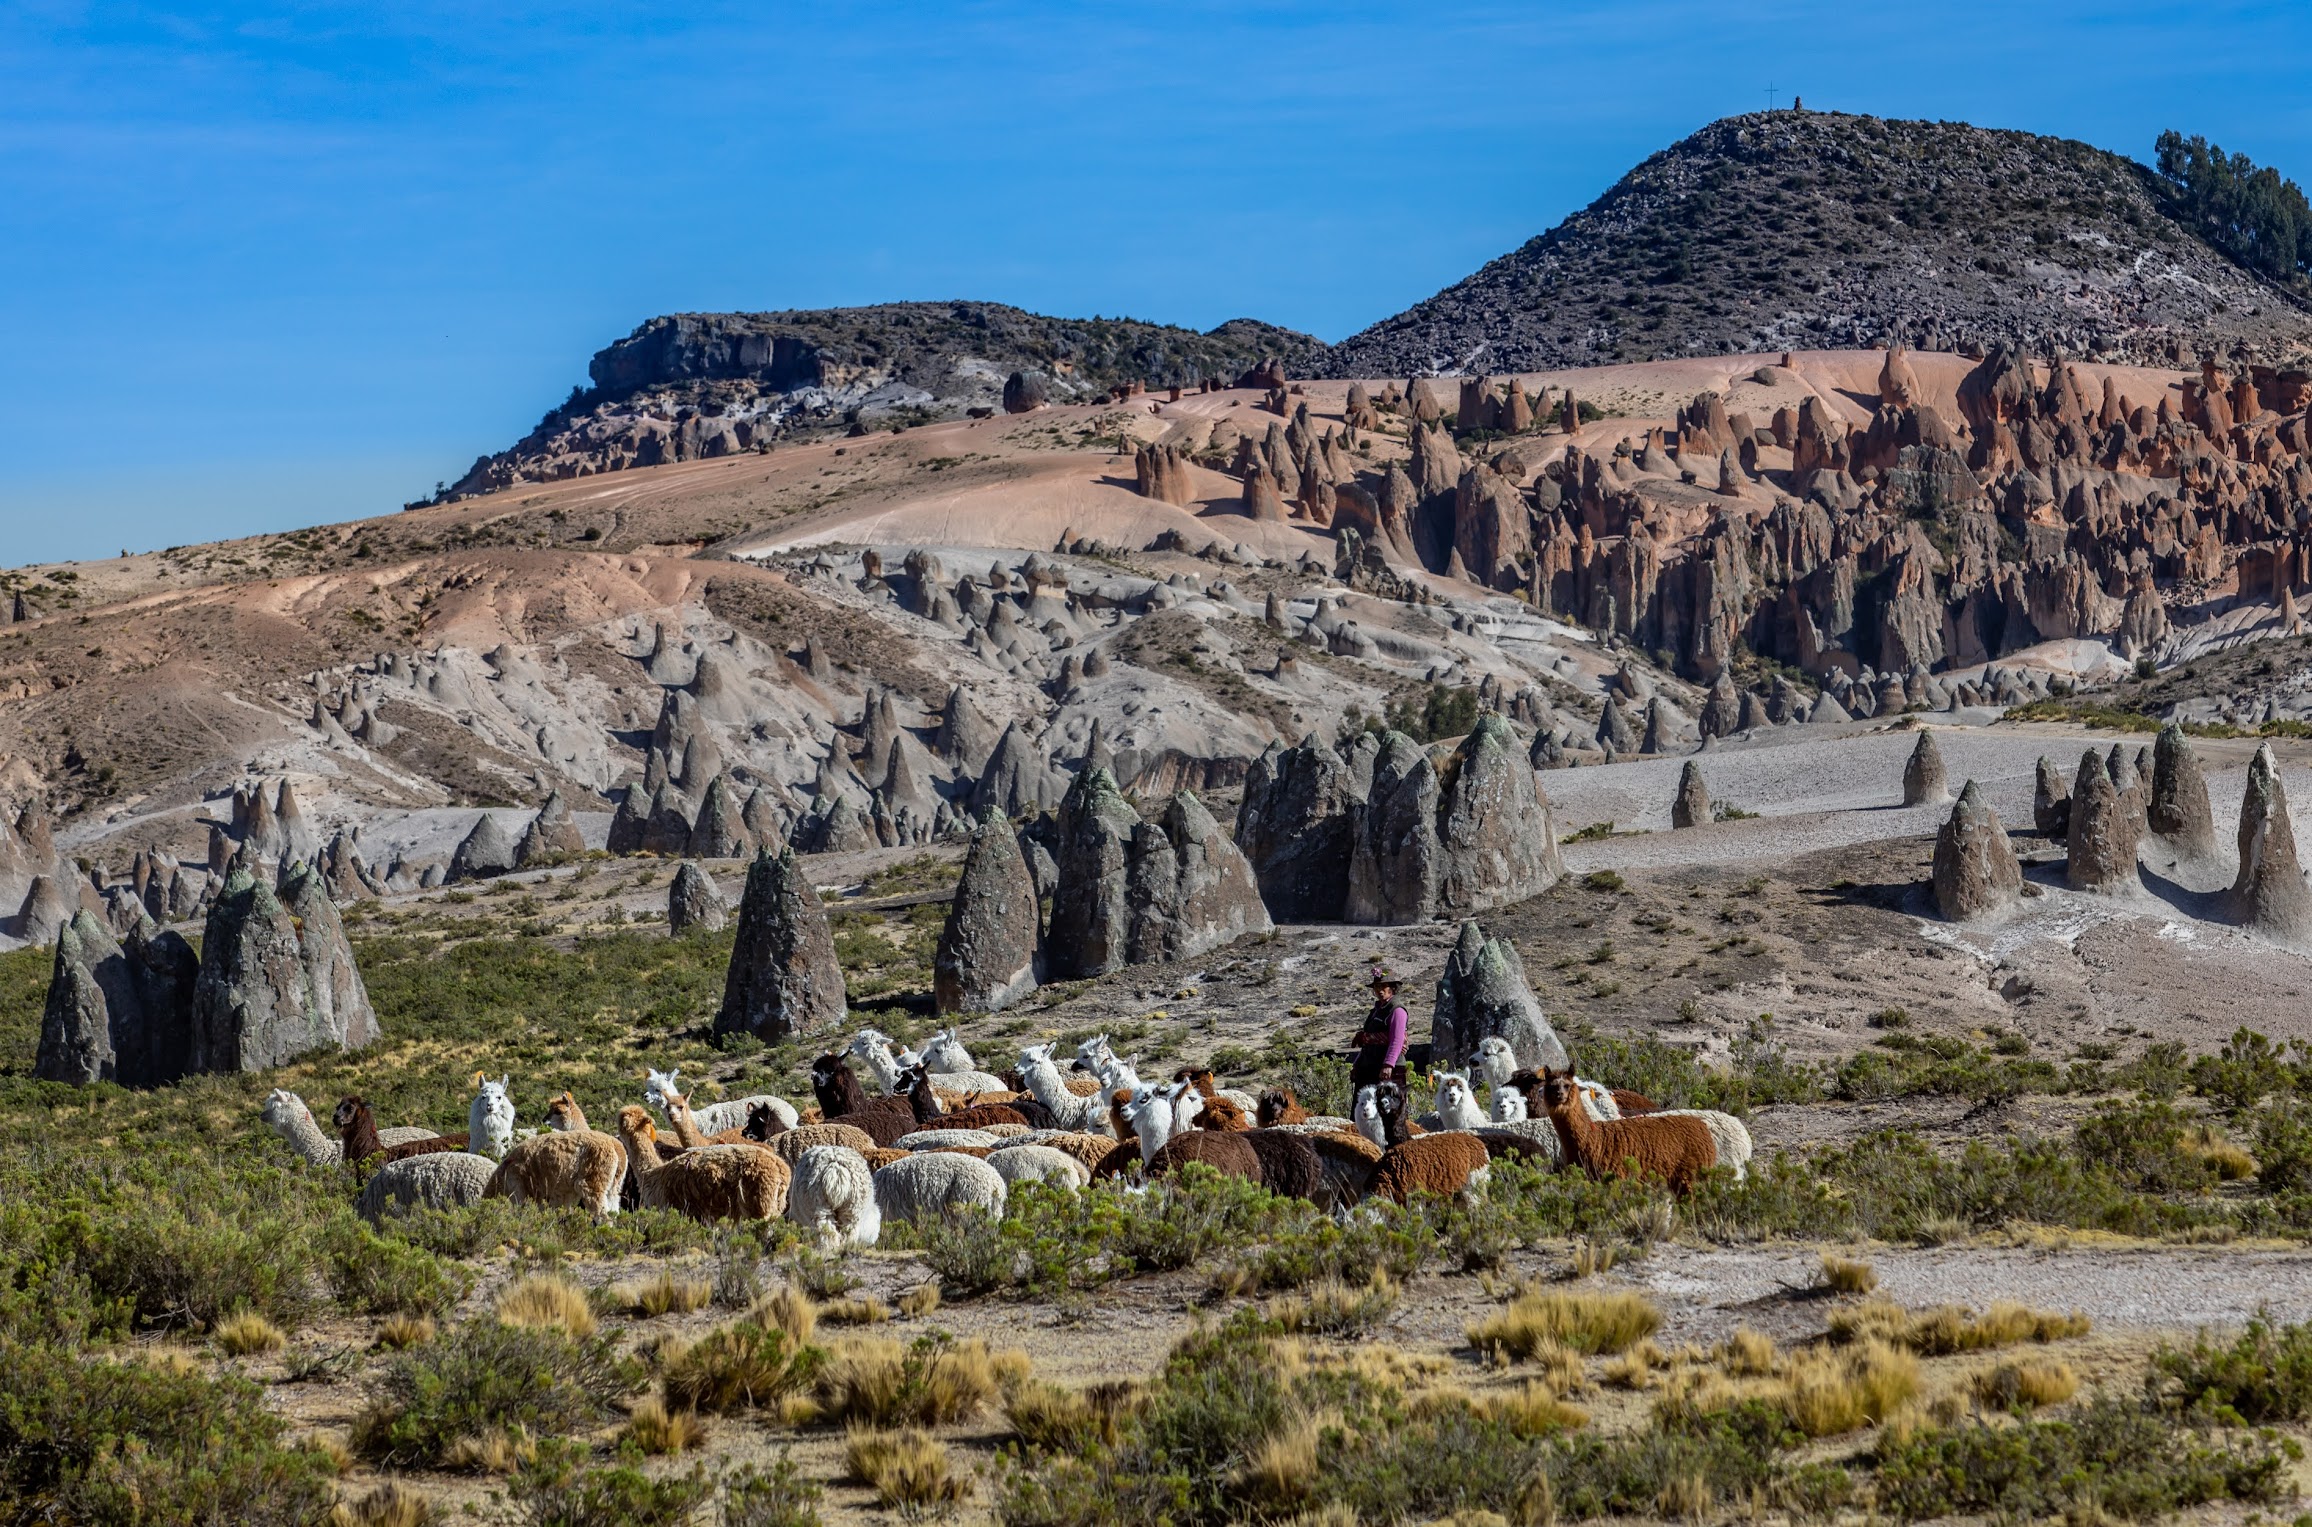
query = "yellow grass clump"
{"x": 787, "y": 1308}
{"x": 919, "y": 1301}
{"x": 397, "y": 1332}
{"x": 1282, "y": 1469}
{"x": 867, "y": 1311}
{"x": 1046, "y": 1415}
{"x": 656, "y": 1429}
{"x": 1591, "y": 1323}
{"x": 1843, "y": 1276}
{"x": 494, "y": 1451}
{"x": 1949, "y": 1329}
{"x": 2026, "y": 1385}
{"x": 1634, "y": 1369}
{"x": 1822, "y": 1391}
{"x": 2232, "y": 1163}
{"x": 245, "y": 1332}
{"x": 665, "y": 1294}
{"x": 392, "y": 1504}
{"x": 1747, "y": 1354}
{"x": 543, "y": 1301}
{"x": 881, "y": 1383}
{"x": 907, "y": 1469}
{"x": 739, "y": 1365}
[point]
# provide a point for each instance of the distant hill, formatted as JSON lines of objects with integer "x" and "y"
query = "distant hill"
{"x": 1783, "y": 230}
{"x": 692, "y": 385}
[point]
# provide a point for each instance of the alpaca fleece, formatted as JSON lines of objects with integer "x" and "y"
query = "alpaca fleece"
{"x": 357, "y": 1137}
{"x": 711, "y": 1182}
{"x": 1676, "y": 1148}
{"x": 1279, "y": 1106}
{"x": 832, "y": 1197}
{"x": 1219, "y": 1150}
{"x": 934, "y": 1184}
{"x": 1447, "y": 1162}
{"x": 577, "y": 1169}
{"x": 1289, "y": 1165}
{"x": 798, "y": 1142}
{"x": 1016, "y": 1164}
{"x": 442, "y": 1180}
{"x": 843, "y": 1101}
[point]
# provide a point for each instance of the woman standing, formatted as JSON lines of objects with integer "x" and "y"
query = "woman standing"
{"x": 1380, "y": 1044}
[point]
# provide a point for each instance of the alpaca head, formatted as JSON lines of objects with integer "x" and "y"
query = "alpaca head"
{"x": 658, "y": 1086}
{"x": 562, "y": 1113}
{"x": 635, "y": 1124}
{"x": 1559, "y": 1091}
{"x": 1093, "y": 1054}
{"x": 1508, "y": 1106}
{"x": 873, "y": 1047}
{"x": 1275, "y": 1104}
{"x": 1455, "y": 1098}
{"x": 493, "y": 1099}
{"x": 284, "y": 1109}
{"x": 348, "y": 1109}
{"x": 1149, "y": 1114}
{"x": 1496, "y": 1061}
{"x": 944, "y": 1052}
{"x": 1187, "y": 1104}
{"x": 761, "y": 1123}
{"x": 1367, "y": 1116}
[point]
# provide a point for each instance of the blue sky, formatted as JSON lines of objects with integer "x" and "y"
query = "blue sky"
{"x": 270, "y": 265}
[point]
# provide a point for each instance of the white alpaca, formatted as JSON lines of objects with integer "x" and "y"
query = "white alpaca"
{"x": 934, "y": 1139}
{"x": 1078, "y": 1115}
{"x": 1367, "y": 1117}
{"x": 873, "y": 1049}
{"x": 833, "y": 1197}
{"x": 286, "y": 1114}
{"x": 1149, "y": 1113}
{"x": 952, "y": 1067}
{"x": 936, "y": 1184}
{"x": 1456, "y": 1103}
{"x": 1016, "y": 1164}
{"x": 1497, "y": 1062}
{"x": 1187, "y": 1105}
{"x": 490, "y": 1119}
{"x": 1508, "y": 1106}
{"x": 714, "y": 1118}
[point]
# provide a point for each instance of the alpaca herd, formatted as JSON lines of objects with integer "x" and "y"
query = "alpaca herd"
{"x": 935, "y": 1136}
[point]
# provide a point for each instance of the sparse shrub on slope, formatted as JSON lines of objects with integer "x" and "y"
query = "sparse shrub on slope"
{"x": 487, "y": 1376}
{"x": 2265, "y": 1375}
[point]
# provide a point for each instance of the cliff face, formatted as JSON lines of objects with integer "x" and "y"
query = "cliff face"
{"x": 1780, "y": 230}
{"x": 691, "y": 386}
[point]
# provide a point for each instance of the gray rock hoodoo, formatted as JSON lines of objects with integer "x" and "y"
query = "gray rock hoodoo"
{"x": 552, "y": 835}
{"x": 1692, "y": 807}
{"x": 117, "y": 1011}
{"x": 1924, "y": 782}
{"x": 1190, "y": 889}
{"x": 2177, "y": 813}
{"x": 1975, "y": 875}
{"x": 2269, "y": 894}
{"x": 986, "y": 959}
{"x": 2050, "y": 802}
{"x": 1482, "y": 993}
{"x": 784, "y": 979}
{"x": 2103, "y": 833}
{"x": 486, "y": 851}
{"x": 257, "y": 1001}
{"x": 1295, "y": 825}
{"x": 693, "y": 902}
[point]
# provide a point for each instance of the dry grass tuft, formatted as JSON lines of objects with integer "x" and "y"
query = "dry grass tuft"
{"x": 1843, "y": 1276}
{"x": 739, "y": 1365}
{"x": 907, "y": 1469}
{"x": 665, "y": 1294}
{"x": 1822, "y": 1391}
{"x": 919, "y": 1301}
{"x": 1533, "y": 1410}
{"x": 874, "y": 1381}
{"x": 1592, "y": 1256}
{"x": 656, "y": 1430}
{"x": 1747, "y": 1354}
{"x": 787, "y": 1308}
{"x": 245, "y": 1332}
{"x": 1585, "y": 1322}
{"x": 2026, "y": 1385}
{"x": 495, "y": 1451}
{"x": 868, "y": 1311}
{"x": 392, "y": 1504}
{"x": 543, "y": 1301}
{"x": 2232, "y": 1163}
{"x": 1282, "y": 1469}
{"x": 1948, "y": 1329}
{"x": 1634, "y": 1369}
{"x": 398, "y": 1332}
{"x": 1045, "y": 1415}
{"x": 1334, "y": 1308}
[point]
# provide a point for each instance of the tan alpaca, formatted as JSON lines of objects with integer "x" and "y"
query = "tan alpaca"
{"x": 577, "y": 1168}
{"x": 710, "y": 1182}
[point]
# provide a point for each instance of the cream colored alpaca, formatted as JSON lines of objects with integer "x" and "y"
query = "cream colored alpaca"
{"x": 741, "y": 1182}
{"x": 578, "y": 1168}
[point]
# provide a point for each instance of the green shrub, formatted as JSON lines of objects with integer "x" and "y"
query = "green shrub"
{"x": 739, "y": 1365}
{"x": 2109, "y": 1458}
{"x": 88, "y": 1440}
{"x": 557, "y": 1489}
{"x": 2263, "y": 1376}
{"x": 385, "y": 1275}
{"x": 781, "y": 1496}
{"x": 485, "y": 1376}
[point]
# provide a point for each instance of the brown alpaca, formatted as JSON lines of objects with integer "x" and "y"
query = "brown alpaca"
{"x": 708, "y": 1182}
{"x": 791, "y": 1143}
{"x": 1633, "y": 1103}
{"x": 1217, "y": 1149}
{"x": 931, "y": 1113}
{"x": 685, "y": 1126}
{"x": 1218, "y": 1112}
{"x": 358, "y": 1141}
{"x": 843, "y": 1101}
{"x": 882, "y": 1156}
{"x": 557, "y": 1169}
{"x": 1677, "y": 1148}
{"x": 762, "y": 1124}
{"x": 1122, "y": 1158}
{"x": 1446, "y": 1163}
{"x": 1279, "y": 1106}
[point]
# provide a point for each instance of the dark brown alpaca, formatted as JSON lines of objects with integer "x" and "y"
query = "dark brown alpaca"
{"x": 915, "y": 1084}
{"x": 1217, "y": 1112}
{"x": 358, "y": 1142}
{"x": 843, "y": 1101}
{"x": 1446, "y": 1163}
{"x": 1677, "y": 1148}
{"x": 1279, "y": 1106}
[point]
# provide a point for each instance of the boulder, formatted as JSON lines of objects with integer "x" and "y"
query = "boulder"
{"x": 1496, "y": 842}
{"x": 721, "y": 830}
{"x": 1024, "y": 392}
{"x": 667, "y": 830}
{"x": 2103, "y": 833}
{"x": 48, "y": 905}
{"x": 2269, "y": 894}
{"x": 1975, "y": 876}
{"x": 1482, "y": 993}
{"x": 255, "y": 1004}
{"x": 784, "y": 979}
{"x": 487, "y": 850}
{"x": 986, "y": 959}
{"x": 1722, "y": 710}
{"x": 1295, "y": 826}
{"x": 1189, "y": 888}
{"x": 2177, "y": 813}
{"x": 1692, "y": 807}
{"x": 1393, "y": 862}
{"x": 694, "y": 902}
{"x": 2050, "y": 802}
{"x": 552, "y": 835}
{"x": 1615, "y": 733}
{"x": 1924, "y": 782}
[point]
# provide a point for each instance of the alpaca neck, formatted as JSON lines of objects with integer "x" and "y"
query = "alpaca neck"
{"x": 923, "y": 1100}
{"x": 1045, "y": 1086}
{"x": 879, "y": 1061}
{"x": 360, "y": 1137}
{"x": 642, "y": 1155}
{"x": 1576, "y": 1131}
{"x": 1154, "y": 1126}
{"x": 305, "y": 1137}
{"x": 685, "y": 1125}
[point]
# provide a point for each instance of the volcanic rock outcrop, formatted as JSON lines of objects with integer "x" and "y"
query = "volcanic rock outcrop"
{"x": 693, "y": 901}
{"x": 987, "y": 954}
{"x": 485, "y": 851}
{"x": 1975, "y": 873}
{"x": 551, "y": 835}
{"x": 1189, "y": 888}
{"x": 1923, "y": 779}
{"x": 117, "y": 1011}
{"x": 2269, "y": 894}
{"x": 1692, "y": 807}
{"x": 2177, "y": 813}
{"x": 2102, "y": 840}
{"x": 277, "y": 979}
{"x": 784, "y": 979}
{"x": 1482, "y": 994}
{"x": 1471, "y": 836}
{"x": 2050, "y": 802}
{"x": 1295, "y": 826}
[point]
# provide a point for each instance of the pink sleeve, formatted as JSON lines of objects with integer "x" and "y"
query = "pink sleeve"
{"x": 1395, "y": 1048}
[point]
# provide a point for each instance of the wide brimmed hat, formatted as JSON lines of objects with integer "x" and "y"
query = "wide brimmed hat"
{"x": 1382, "y": 976}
